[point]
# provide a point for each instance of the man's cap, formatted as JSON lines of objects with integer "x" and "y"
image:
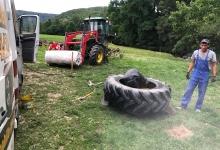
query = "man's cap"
{"x": 205, "y": 41}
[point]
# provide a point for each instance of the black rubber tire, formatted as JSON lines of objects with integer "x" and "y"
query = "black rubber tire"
{"x": 96, "y": 55}
{"x": 134, "y": 100}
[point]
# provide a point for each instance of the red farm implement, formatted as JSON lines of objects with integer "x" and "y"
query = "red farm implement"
{"x": 91, "y": 42}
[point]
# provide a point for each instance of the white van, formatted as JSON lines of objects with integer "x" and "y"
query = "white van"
{"x": 19, "y": 40}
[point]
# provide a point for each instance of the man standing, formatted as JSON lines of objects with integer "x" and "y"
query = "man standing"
{"x": 203, "y": 60}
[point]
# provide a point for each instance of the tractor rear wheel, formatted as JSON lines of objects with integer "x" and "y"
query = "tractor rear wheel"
{"x": 134, "y": 100}
{"x": 96, "y": 55}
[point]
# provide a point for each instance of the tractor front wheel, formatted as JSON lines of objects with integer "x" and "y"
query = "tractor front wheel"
{"x": 96, "y": 55}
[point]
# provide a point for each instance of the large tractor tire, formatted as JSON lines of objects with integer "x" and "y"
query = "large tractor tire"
{"x": 140, "y": 101}
{"x": 96, "y": 55}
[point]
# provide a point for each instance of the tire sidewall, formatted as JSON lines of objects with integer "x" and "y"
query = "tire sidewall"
{"x": 157, "y": 98}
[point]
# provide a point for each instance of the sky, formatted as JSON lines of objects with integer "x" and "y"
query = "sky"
{"x": 57, "y": 6}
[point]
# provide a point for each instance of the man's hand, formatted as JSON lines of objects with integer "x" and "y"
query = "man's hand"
{"x": 213, "y": 78}
{"x": 187, "y": 75}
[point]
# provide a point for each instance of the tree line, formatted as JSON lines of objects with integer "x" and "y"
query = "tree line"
{"x": 169, "y": 26}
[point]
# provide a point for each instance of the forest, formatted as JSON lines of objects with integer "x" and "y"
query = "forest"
{"x": 169, "y": 26}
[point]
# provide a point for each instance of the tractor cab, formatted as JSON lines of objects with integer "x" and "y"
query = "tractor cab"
{"x": 101, "y": 24}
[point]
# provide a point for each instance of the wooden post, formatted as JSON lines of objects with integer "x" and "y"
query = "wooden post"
{"x": 71, "y": 71}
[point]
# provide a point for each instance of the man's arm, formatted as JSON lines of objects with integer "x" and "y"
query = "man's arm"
{"x": 191, "y": 65}
{"x": 213, "y": 71}
{"x": 214, "y": 68}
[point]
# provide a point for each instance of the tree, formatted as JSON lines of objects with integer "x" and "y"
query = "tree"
{"x": 164, "y": 26}
{"x": 114, "y": 9}
{"x": 200, "y": 19}
{"x": 167, "y": 37}
{"x": 135, "y": 22}
{"x": 45, "y": 25}
{"x": 70, "y": 27}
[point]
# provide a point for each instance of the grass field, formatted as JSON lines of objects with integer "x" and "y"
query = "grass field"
{"x": 60, "y": 120}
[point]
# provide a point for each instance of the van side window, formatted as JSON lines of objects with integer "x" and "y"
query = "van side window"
{"x": 27, "y": 25}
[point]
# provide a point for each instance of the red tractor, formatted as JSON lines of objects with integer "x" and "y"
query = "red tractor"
{"x": 91, "y": 42}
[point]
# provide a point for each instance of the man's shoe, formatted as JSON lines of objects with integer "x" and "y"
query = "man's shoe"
{"x": 180, "y": 107}
{"x": 198, "y": 110}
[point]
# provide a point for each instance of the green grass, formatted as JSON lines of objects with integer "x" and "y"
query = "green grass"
{"x": 59, "y": 120}
{"x": 52, "y": 38}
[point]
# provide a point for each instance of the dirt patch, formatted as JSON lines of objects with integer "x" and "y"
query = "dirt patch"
{"x": 61, "y": 148}
{"x": 67, "y": 118}
{"x": 30, "y": 73}
{"x": 53, "y": 95}
{"x": 180, "y": 132}
{"x": 43, "y": 42}
{"x": 23, "y": 120}
{"x": 57, "y": 136}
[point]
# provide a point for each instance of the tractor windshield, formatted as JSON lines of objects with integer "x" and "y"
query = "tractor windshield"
{"x": 95, "y": 25}
{"x": 98, "y": 24}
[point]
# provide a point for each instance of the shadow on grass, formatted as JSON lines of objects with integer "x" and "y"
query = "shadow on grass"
{"x": 149, "y": 115}
{"x": 64, "y": 66}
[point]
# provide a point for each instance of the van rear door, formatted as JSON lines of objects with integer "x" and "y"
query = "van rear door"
{"x": 29, "y": 28}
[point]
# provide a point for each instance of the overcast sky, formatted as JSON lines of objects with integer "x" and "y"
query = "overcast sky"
{"x": 57, "y": 6}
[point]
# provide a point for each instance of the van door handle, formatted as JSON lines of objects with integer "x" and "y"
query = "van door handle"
{"x": 3, "y": 114}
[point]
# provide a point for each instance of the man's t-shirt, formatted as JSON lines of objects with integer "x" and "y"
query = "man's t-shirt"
{"x": 211, "y": 57}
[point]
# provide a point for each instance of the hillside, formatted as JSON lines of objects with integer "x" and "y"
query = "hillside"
{"x": 43, "y": 16}
{"x": 83, "y": 12}
{"x": 68, "y": 15}
{"x": 70, "y": 20}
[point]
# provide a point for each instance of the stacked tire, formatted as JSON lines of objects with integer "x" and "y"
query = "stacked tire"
{"x": 154, "y": 98}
